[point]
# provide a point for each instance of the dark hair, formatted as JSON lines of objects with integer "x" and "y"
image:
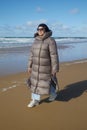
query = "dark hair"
{"x": 44, "y": 26}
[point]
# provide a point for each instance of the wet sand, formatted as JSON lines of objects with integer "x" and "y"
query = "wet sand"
{"x": 68, "y": 112}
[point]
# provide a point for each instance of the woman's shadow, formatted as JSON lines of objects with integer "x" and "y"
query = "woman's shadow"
{"x": 71, "y": 91}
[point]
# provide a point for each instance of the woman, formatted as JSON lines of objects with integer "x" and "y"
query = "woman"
{"x": 43, "y": 63}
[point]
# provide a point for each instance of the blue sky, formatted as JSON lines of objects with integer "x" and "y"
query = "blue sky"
{"x": 64, "y": 17}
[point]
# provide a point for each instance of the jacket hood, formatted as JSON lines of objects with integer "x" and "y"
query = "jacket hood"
{"x": 46, "y": 35}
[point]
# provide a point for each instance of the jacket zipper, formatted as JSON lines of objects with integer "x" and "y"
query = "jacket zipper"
{"x": 38, "y": 67}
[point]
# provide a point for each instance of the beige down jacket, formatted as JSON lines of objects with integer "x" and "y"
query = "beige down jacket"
{"x": 43, "y": 60}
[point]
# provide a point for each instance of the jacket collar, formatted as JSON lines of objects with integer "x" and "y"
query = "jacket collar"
{"x": 46, "y": 35}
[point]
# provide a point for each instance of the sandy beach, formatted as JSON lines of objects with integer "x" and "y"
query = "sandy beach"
{"x": 68, "y": 112}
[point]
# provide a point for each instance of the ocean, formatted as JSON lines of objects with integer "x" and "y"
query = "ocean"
{"x": 14, "y": 52}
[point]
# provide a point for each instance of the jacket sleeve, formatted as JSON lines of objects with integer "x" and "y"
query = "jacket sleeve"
{"x": 30, "y": 61}
{"x": 54, "y": 56}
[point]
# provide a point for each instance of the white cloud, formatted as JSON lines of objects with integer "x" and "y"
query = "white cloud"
{"x": 6, "y": 30}
{"x": 82, "y": 30}
{"x": 59, "y": 27}
{"x": 39, "y": 9}
{"x": 74, "y": 11}
{"x": 29, "y": 23}
{"x": 19, "y": 27}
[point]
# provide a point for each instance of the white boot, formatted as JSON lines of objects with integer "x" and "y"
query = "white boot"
{"x": 33, "y": 103}
{"x": 52, "y": 97}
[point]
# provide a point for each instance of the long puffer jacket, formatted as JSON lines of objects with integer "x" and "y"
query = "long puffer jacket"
{"x": 43, "y": 60}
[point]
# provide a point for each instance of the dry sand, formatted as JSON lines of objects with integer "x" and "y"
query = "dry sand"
{"x": 68, "y": 112}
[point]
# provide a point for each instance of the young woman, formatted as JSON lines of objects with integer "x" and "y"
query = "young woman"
{"x": 43, "y": 63}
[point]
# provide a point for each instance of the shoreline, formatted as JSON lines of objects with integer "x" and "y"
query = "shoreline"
{"x": 74, "y": 62}
{"x": 24, "y": 49}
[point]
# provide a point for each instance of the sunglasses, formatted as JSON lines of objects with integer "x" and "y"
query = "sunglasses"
{"x": 40, "y": 29}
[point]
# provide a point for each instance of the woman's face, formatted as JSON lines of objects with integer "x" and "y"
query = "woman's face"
{"x": 41, "y": 31}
